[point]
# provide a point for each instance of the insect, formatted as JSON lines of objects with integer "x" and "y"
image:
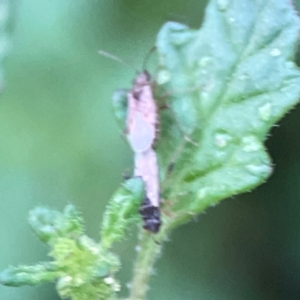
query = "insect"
{"x": 141, "y": 125}
{"x": 141, "y": 132}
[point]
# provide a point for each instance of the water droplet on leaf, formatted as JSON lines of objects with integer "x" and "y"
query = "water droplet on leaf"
{"x": 222, "y": 139}
{"x": 109, "y": 280}
{"x": 264, "y": 111}
{"x": 202, "y": 193}
{"x": 259, "y": 170}
{"x": 117, "y": 287}
{"x": 204, "y": 61}
{"x": 251, "y": 143}
{"x": 223, "y": 4}
{"x": 275, "y": 52}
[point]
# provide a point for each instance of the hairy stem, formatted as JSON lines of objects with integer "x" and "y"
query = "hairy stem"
{"x": 149, "y": 248}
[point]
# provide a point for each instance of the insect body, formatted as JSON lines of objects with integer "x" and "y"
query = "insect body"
{"x": 141, "y": 125}
{"x": 141, "y": 114}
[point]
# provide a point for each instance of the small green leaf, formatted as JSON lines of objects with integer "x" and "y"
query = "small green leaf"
{"x": 119, "y": 104}
{"x": 28, "y": 275}
{"x": 42, "y": 220}
{"x": 50, "y": 224}
{"x": 84, "y": 268}
{"x": 73, "y": 222}
{"x": 227, "y": 85}
{"x": 122, "y": 210}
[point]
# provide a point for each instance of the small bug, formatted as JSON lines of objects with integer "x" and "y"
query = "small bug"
{"x": 141, "y": 129}
{"x": 141, "y": 125}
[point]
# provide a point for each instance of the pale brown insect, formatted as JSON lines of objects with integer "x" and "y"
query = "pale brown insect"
{"x": 141, "y": 129}
{"x": 141, "y": 123}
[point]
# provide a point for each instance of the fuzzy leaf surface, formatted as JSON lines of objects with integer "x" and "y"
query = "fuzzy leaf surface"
{"x": 50, "y": 224}
{"x": 227, "y": 84}
{"x": 121, "y": 211}
{"x": 28, "y": 275}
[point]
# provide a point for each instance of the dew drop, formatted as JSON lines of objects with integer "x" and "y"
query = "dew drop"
{"x": 231, "y": 20}
{"x": 137, "y": 248}
{"x": 163, "y": 77}
{"x": 223, "y": 4}
{"x": 109, "y": 280}
{"x": 275, "y": 52}
{"x": 117, "y": 287}
{"x": 221, "y": 139}
{"x": 264, "y": 112}
{"x": 204, "y": 61}
{"x": 202, "y": 193}
{"x": 259, "y": 170}
{"x": 251, "y": 143}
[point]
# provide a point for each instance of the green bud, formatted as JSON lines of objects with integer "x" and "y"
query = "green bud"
{"x": 28, "y": 275}
{"x": 122, "y": 210}
{"x": 119, "y": 104}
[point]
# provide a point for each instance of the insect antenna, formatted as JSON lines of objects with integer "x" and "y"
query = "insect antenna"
{"x": 117, "y": 59}
{"x": 147, "y": 57}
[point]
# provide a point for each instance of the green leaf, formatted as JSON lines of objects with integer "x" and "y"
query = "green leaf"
{"x": 81, "y": 267}
{"x": 84, "y": 269}
{"x": 227, "y": 84}
{"x": 119, "y": 105}
{"x": 122, "y": 210}
{"x": 28, "y": 275}
{"x": 50, "y": 224}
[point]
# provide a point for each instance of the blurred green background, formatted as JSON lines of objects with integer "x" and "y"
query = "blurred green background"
{"x": 59, "y": 143}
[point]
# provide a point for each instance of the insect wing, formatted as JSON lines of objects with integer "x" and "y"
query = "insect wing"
{"x": 140, "y": 132}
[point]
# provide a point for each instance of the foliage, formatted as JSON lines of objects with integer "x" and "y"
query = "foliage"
{"x": 225, "y": 86}
{"x": 82, "y": 268}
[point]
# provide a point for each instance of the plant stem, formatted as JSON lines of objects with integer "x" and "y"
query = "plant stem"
{"x": 149, "y": 248}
